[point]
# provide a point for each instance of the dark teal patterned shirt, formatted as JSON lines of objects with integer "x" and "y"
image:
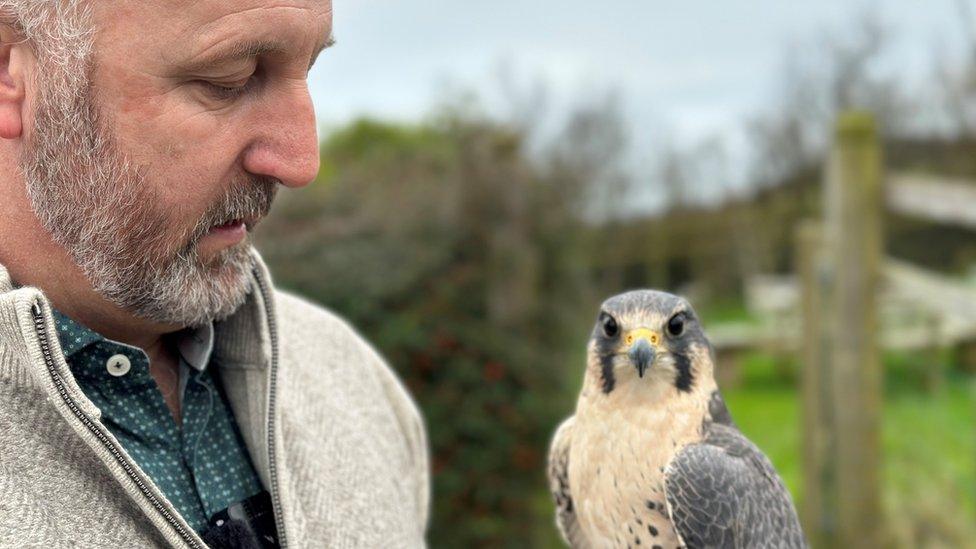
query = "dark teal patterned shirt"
{"x": 201, "y": 466}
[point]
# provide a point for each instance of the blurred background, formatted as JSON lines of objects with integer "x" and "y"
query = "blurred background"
{"x": 491, "y": 171}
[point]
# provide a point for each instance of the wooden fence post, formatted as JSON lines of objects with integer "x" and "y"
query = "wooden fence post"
{"x": 818, "y": 513}
{"x": 854, "y": 240}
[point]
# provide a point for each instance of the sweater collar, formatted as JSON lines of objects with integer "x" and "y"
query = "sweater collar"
{"x": 6, "y": 284}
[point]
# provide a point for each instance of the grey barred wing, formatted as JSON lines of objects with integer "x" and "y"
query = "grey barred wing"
{"x": 558, "y": 472}
{"x": 723, "y": 492}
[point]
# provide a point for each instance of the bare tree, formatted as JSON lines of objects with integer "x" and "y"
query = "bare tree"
{"x": 839, "y": 72}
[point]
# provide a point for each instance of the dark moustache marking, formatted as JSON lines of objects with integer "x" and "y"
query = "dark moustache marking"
{"x": 684, "y": 378}
{"x": 605, "y": 350}
{"x": 679, "y": 349}
{"x": 607, "y": 374}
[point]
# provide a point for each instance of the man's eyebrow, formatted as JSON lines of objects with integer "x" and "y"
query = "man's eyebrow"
{"x": 241, "y": 50}
{"x": 246, "y": 50}
{"x": 329, "y": 42}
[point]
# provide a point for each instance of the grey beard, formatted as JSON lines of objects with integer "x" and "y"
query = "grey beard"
{"x": 103, "y": 212}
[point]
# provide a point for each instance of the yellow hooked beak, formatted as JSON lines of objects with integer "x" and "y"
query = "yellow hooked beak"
{"x": 642, "y": 348}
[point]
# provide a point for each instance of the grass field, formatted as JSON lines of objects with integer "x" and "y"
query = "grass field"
{"x": 929, "y": 446}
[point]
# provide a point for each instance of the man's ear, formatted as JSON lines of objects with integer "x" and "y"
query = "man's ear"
{"x": 15, "y": 57}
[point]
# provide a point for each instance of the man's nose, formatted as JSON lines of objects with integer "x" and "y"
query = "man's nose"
{"x": 286, "y": 146}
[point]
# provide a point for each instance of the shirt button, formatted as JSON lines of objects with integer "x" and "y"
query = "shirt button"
{"x": 118, "y": 365}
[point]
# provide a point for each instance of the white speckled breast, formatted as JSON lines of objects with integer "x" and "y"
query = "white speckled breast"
{"x": 622, "y": 444}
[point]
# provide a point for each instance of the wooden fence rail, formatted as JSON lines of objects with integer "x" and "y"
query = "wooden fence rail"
{"x": 939, "y": 199}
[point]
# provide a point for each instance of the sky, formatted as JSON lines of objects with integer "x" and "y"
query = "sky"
{"x": 690, "y": 69}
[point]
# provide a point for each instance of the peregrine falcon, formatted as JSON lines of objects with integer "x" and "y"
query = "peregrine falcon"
{"x": 652, "y": 458}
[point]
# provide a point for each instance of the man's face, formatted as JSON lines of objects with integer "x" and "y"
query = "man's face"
{"x": 191, "y": 115}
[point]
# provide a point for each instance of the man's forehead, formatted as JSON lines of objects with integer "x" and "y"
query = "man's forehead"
{"x": 186, "y": 26}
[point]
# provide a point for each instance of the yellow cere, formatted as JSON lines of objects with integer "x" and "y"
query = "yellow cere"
{"x": 641, "y": 333}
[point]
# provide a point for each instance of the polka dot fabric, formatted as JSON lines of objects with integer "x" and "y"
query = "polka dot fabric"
{"x": 201, "y": 466}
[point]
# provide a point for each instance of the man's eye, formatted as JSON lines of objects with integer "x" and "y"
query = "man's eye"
{"x": 226, "y": 91}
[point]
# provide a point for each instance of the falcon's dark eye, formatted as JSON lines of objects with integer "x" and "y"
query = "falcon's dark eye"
{"x": 676, "y": 326}
{"x": 610, "y": 328}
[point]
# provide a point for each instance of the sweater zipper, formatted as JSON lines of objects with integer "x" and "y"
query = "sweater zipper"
{"x": 42, "y": 337}
{"x": 272, "y": 397}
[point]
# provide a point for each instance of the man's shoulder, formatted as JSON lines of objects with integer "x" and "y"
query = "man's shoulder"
{"x": 298, "y": 312}
{"x": 317, "y": 341}
{"x": 333, "y": 378}
{"x": 317, "y": 329}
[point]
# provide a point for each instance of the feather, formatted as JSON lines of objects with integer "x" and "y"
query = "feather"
{"x": 559, "y": 486}
{"x": 723, "y": 492}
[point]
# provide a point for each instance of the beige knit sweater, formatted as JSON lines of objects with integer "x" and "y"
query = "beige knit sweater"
{"x": 346, "y": 464}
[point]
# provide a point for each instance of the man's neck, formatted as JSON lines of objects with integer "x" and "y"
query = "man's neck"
{"x": 49, "y": 267}
{"x": 164, "y": 367}
{"x": 87, "y": 307}
{"x": 32, "y": 258}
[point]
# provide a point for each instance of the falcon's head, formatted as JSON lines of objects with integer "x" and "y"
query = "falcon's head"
{"x": 648, "y": 337}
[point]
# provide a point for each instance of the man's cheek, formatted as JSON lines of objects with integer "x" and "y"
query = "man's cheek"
{"x": 166, "y": 128}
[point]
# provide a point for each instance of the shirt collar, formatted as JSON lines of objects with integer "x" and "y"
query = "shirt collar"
{"x": 73, "y": 336}
{"x": 195, "y": 345}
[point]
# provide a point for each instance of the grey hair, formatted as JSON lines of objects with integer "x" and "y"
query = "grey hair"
{"x": 61, "y": 34}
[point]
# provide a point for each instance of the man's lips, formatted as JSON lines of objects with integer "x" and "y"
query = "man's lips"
{"x": 228, "y": 234}
{"x": 230, "y": 225}
{"x": 247, "y": 222}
